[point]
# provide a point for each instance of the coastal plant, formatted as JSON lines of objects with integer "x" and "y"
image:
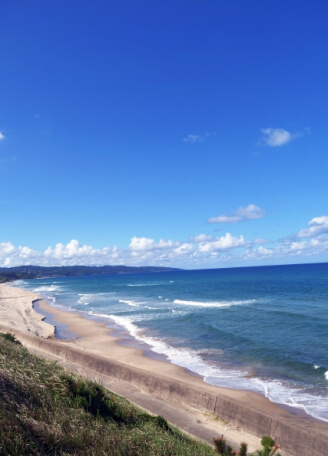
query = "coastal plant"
{"x": 222, "y": 448}
{"x": 243, "y": 449}
{"x": 10, "y": 337}
{"x": 269, "y": 447}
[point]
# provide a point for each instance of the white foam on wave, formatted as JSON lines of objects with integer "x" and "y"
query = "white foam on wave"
{"x": 129, "y": 302}
{"x": 19, "y": 283}
{"x": 275, "y": 390}
{"x": 87, "y": 298}
{"x": 179, "y": 312}
{"x": 316, "y": 366}
{"x": 99, "y": 296}
{"x": 84, "y": 299}
{"x": 45, "y": 288}
{"x": 187, "y": 358}
{"x": 278, "y": 392}
{"x": 213, "y": 304}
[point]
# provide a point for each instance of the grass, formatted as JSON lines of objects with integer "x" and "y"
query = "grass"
{"x": 45, "y": 410}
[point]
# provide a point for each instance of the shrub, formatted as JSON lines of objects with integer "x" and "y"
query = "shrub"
{"x": 268, "y": 444}
{"x": 10, "y": 338}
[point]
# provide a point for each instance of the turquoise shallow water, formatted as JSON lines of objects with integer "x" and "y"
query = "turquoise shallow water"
{"x": 263, "y": 328}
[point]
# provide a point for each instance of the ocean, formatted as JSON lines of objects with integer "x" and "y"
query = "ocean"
{"x": 263, "y": 329}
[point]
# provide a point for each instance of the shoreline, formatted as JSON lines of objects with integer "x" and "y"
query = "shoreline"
{"x": 237, "y": 414}
{"x": 125, "y": 339}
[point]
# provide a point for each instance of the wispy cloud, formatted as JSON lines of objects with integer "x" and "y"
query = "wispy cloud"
{"x": 198, "y": 138}
{"x": 2, "y": 136}
{"x": 242, "y": 213}
{"x": 274, "y": 137}
{"x": 193, "y": 139}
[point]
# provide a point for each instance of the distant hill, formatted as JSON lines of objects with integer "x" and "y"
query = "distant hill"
{"x": 36, "y": 272}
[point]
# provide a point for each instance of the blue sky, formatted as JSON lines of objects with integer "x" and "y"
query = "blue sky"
{"x": 178, "y": 133}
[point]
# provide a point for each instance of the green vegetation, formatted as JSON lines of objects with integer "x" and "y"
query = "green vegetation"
{"x": 37, "y": 272}
{"x": 44, "y": 410}
{"x": 9, "y": 276}
{"x": 269, "y": 448}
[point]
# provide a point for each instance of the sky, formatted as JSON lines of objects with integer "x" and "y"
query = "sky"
{"x": 177, "y": 133}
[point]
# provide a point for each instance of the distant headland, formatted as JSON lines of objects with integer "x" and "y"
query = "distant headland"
{"x": 37, "y": 272}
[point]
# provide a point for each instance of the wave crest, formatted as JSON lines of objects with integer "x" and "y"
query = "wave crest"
{"x": 214, "y": 304}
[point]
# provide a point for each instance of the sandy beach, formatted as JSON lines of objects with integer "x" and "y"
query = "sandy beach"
{"x": 16, "y": 312}
{"x": 162, "y": 388}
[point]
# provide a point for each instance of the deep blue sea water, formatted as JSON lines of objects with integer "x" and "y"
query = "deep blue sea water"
{"x": 261, "y": 328}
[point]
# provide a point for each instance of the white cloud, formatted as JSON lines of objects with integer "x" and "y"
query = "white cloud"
{"x": 201, "y": 251}
{"x": 265, "y": 251}
{"x": 250, "y": 212}
{"x": 224, "y": 219}
{"x": 304, "y": 248}
{"x": 198, "y": 138}
{"x": 6, "y": 248}
{"x": 193, "y": 139}
{"x": 183, "y": 249}
{"x": 72, "y": 250}
{"x": 318, "y": 225}
{"x": 242, "y": 213}
{"x": 224, "y": 242}
{"x": 309, "y": 242}
{"x": 261, "y": 241}
{"x": 141, "y": 251}
{"x": 201, "y": 238}
{"x": 276, "y": 136}
{"x": 139, "y": 244}
{"x": 2, "y": 136}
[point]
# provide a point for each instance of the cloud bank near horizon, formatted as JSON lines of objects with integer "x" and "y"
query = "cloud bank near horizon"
{"x": 202, "y": 250}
